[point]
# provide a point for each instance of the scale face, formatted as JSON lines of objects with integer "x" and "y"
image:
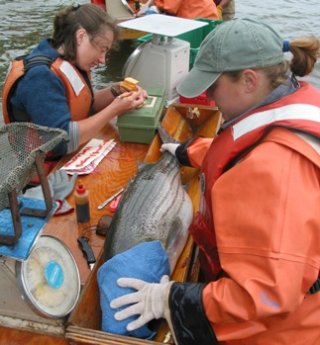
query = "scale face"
{"x": 49, "y": 279}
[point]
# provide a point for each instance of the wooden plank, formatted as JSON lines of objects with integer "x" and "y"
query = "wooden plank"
{"x": 11, "y": 336}
{"x": 100, "y": 337}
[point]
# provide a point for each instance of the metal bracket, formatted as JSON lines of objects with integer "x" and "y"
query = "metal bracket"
{"x": 14, "y": 207}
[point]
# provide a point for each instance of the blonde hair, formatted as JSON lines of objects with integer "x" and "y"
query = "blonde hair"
{"x": 305, "y": 52}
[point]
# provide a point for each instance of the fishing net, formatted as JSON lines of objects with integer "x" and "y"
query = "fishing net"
{"x": 20, "y": 143}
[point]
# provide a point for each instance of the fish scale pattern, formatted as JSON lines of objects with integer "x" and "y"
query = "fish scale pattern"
{"x": 155, "y": 206}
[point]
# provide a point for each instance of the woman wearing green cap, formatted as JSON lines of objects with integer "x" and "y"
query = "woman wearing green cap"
{"x": 257, "y": 229}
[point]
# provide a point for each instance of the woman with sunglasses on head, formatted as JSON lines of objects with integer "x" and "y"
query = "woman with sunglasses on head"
{"x": 56, "y": 90}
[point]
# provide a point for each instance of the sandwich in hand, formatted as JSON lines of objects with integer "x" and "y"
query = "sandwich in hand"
{"x": 129, "y": 84}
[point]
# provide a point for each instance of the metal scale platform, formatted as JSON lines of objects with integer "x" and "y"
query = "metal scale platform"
{"x": 39, "y": 279}
{"x": 164, "y": 61}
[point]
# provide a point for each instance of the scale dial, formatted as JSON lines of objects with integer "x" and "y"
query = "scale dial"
{"x": 49, "y": 278}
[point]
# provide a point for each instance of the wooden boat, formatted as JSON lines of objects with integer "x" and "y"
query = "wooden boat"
{"x": 182, "y": 121}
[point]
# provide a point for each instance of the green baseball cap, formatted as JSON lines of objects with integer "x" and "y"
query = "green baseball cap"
{"x": 232, "y": 46}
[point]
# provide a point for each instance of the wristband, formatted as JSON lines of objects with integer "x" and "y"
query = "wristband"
{"x": 115, "y": 91}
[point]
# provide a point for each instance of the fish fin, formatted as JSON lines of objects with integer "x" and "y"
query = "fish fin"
{"x": 165, "y": 136}
{"x": 140, "y": 165}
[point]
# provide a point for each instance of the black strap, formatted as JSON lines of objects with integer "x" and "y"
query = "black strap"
{"x": 37, "y": 60}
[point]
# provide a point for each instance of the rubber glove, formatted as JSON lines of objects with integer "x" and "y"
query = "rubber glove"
{"x": 152, "y": 10}
{"x": 144, "y": 7}
{"x": 61, "y": 185}
{"x": 147, "y": 301}
{"x": 36, "y": 192}
{"x": 170, "y": 147}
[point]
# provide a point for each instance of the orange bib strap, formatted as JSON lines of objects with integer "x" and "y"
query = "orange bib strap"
{"x": 17, "y": 69}
{"x": 301, "y": 143}
{"x": 15, "y": 72}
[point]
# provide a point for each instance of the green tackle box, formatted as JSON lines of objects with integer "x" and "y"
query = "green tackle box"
{"x": 139, "y": 125}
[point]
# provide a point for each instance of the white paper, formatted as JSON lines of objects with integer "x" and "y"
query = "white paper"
{"x": 88, "y": 158}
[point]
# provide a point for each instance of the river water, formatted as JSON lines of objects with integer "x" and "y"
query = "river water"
{"x": 26, "y": 22}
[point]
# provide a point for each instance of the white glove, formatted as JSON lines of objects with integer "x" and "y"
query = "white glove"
{"x": 36, "y": 192}
{"x": 170, "y": 147}
{"x": 61, "y": 185}
{"x": 146, "y": 302}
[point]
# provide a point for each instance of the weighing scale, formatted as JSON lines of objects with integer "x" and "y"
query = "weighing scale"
{"x": 163, "y": 61}
{"x": 39, "y": 279}
{"x": 38, "y": 293}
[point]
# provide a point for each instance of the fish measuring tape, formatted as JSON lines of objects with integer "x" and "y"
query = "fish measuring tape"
{"x": 39, "y": 292}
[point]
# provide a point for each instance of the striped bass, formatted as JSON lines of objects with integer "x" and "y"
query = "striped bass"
{"x": 154, "y": 206}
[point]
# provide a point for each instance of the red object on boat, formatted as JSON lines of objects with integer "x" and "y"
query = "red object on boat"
{"x": 201, "y": 99}
{"x": 100, "y": 3}
{"x": 114, "y": 203}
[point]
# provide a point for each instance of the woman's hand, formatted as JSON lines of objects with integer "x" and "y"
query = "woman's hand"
{"x": 143, "y": 91}
{"x": 129, "y": 101}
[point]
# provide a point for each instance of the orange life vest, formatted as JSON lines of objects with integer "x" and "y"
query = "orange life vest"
{"x": 299, "y": 111}
{"x": 78, "y": 91}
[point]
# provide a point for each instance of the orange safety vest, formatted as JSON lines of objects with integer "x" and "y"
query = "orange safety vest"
{"x": 78, "y": 91}
{"x": 299, "y": 111}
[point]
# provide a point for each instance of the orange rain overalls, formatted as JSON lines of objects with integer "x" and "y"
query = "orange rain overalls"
{"x": 259, "y": 234}
{"x": 189, "y": 8}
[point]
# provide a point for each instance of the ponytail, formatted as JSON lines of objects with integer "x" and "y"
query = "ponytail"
{"x": 305, "y": 53}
